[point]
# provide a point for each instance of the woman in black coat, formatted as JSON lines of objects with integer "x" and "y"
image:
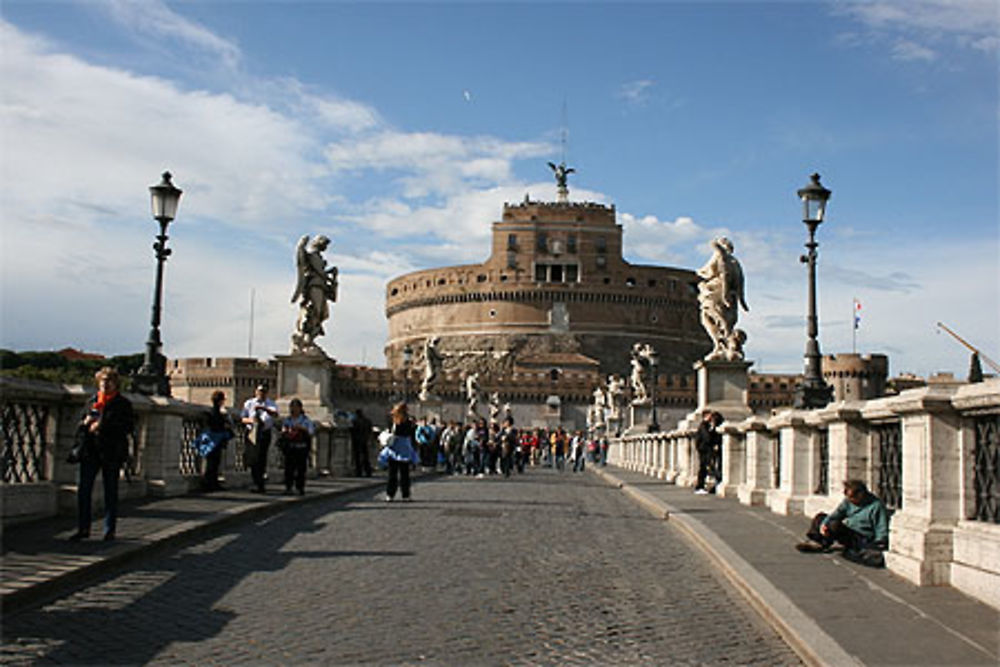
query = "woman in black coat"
{"x": 106, "y": 425}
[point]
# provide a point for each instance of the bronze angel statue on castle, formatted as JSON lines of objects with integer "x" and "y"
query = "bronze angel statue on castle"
{"x": 316, "y": 284}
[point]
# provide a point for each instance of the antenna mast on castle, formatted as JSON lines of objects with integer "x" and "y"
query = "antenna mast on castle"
{"x": 561, "y": 171}
{"x": 565, "y": 130}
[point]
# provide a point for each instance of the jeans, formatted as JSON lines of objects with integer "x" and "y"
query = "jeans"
{"x": 399, "y": 477}
{"x": 85, "y": 491}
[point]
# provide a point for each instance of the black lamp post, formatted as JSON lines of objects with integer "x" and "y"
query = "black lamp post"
{"x": 407, "y": 358}
{"x": 654, "y": 360}
{"x": 152, "y": 376}
{"x": 813, "y": 392}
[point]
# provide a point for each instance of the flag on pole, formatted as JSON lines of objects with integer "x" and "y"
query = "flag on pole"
{"x": 857, "y": 314}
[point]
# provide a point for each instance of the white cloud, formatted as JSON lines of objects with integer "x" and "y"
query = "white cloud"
{"x": 917, "y": 27}
{"x": 636, "y": 93}
{"x": 83, "y": 142}
{"x": 153, "y": 18}
{"x": 907, "y": 50}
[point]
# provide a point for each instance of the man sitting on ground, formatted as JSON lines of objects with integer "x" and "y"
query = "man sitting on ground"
{"x": 860, "y": 523}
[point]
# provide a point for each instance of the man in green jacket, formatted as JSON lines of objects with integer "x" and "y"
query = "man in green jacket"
{"x": 860, "y": 523}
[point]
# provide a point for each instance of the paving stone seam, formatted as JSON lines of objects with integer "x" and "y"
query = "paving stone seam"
{"x": 15, "y": 599}
{"x": 809, "y": 641}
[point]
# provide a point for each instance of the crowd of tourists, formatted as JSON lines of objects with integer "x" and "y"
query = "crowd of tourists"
{"x": 480, "y": 448}
{"x": 477, "y": 448}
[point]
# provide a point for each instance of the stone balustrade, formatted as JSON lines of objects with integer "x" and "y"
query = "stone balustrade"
{"x": 932, "y": 454}
{"x": 39, "y": 423}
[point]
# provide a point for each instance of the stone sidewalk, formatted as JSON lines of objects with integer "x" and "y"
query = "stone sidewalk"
{"x": 39, "y": 561}
{"x": 831, "y": 611}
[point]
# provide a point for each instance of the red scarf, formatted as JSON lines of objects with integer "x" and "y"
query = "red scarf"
{"x": 103, "y": 399}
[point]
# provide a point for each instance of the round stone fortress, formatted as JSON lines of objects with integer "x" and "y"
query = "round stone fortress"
{"x": 555, "y": 292}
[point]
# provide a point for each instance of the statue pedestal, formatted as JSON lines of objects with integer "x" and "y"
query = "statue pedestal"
{"x": 640, "y": 418}
{"x": 722, "y": 387}
{"x": 307, "y": 376}
{"x": 431, "y": 407}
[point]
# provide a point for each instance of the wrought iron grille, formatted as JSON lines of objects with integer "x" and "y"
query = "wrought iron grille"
{"x": 25, "y": 441}
{"x": 823, "y": 449}
{"x": 239, "y": 443}
{"x": 889, "y": 437}
{"x": 189, "y": 455}
{"x": 776, "y": 461}
{"x": 986, "y": 468}
{"x": 133, "y": 463}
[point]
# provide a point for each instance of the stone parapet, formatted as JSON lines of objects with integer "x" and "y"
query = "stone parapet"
{"x": 946, "y": 526}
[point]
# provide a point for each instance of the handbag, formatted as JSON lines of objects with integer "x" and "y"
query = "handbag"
{"x": 82, "y": 441}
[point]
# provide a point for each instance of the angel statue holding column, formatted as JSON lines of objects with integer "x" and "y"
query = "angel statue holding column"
{"x": 316, "y": 284}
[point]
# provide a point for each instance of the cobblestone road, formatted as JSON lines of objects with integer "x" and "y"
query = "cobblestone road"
{"x": 538, "y": 569}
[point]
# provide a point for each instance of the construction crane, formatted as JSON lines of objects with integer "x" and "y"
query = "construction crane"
{"x": 992, "y": 364}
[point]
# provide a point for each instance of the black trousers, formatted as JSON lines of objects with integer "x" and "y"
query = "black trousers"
{"x": 705, "y": 468}
{"x": 399, "y": 478}
{"x": 259, "y": 468}
{"x": 213, "y": 462}
{"x": 295, "y": 467}
{"x": 84, "y": 492}
{"x": 362, "y": 463}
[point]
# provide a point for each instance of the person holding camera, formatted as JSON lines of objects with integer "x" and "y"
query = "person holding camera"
{"x": 259, "y": 414}
{"x": 105, "y": 428}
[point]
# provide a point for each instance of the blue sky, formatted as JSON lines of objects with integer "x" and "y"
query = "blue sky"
{"x": 399, "y": 130}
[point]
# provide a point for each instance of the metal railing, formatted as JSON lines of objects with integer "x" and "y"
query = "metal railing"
{"x": 823, "y": 451}
{"x": 986, "y": 469}
{"x": 25, "y": 442}
{"x": 776, "y": 461}
{"x": 889, "y": 475}
{"x": 188, "y": 455}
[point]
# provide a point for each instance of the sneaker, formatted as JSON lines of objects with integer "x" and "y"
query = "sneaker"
{"x": 700, "y": 492}
{"x": 811, "y": 548}
{"x": 388, "y": 498}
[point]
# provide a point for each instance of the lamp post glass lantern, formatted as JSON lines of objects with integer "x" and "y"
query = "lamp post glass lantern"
{"x": 813, "y": 392}
{"x": 152, "y": 376}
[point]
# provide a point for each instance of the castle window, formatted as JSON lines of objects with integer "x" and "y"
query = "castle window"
{"x": 602, "y": 261}
{"x": 395, "y": 291}
{"x": 607, "y": 281}
{"x": 511, "y": 260}
{"x": 571, "y": 243}
{"x": 481, "y": 278}
{"x": 493, "y": 312}
{"x": 630, "y": 282}
{"x": 542, "y": 242}
{"x": 512, "y": 242}
{"x": 602, "y": 244}
{"x": 572, "y": 273}
{"x": 503, "y": 277}
{"x": 441, "y": 281}
{"x": 556, "y": 273}
{"x": 541, "y": 273}
{"x": 652, "y": 283}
